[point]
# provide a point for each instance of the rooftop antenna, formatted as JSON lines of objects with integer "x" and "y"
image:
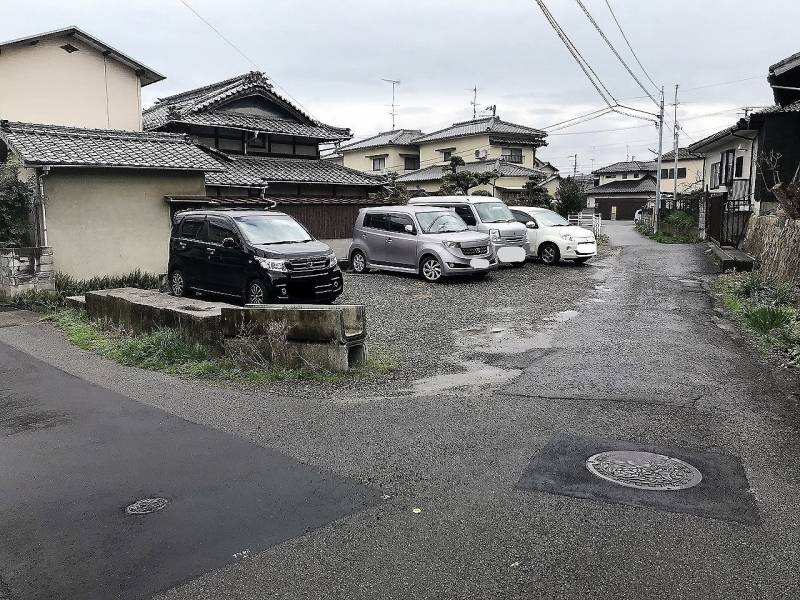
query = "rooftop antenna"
{"x": 492, "y": 108}
{"x": 394, "y": 82}
{"x": 474, "y": 102}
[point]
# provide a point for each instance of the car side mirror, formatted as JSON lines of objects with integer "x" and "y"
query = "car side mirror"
{"x": 409, "y": 228}
{"x": 531, "y": 225}
{"x": 229, "y": 243}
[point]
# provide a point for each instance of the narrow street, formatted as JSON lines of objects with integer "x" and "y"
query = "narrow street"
{"x": 471, "y": 492}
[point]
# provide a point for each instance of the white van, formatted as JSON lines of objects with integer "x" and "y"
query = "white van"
{"x": 487, "y": 215}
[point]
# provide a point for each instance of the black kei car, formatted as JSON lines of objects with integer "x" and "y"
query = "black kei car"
{"x": 258, "y": 256}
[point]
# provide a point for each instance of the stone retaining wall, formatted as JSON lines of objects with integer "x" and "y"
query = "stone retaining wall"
{"x": 775, "y": 244}
{"x": 24, "y": 269}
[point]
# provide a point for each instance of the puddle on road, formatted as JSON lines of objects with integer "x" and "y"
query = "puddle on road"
{"x": 563, "y": 316}
{"x": 478, "y": 374}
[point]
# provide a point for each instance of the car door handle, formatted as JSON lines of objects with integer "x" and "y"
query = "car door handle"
{"x": 210, "y": 250}
{"x": 182, "y": 245}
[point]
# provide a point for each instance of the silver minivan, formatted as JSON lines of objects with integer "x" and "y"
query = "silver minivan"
{"x": 428, "y": 240}
{"x": 487, "y": 215}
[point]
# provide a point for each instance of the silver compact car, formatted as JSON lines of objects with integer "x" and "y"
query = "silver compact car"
{"x": 431, "y": 241}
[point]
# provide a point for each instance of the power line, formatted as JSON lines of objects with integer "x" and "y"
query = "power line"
{"x": 245, "y": 56}
{"x": 625, "y": 37}
{"x": 614, "y": 50}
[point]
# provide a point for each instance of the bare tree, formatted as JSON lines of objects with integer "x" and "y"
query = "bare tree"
{"x": 786, "y": 193}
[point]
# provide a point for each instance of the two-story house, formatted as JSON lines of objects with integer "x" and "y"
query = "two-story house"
{"x": 273, "y": 148}
{"x": 622, "y": 189}
{"x": 689, "y": 177}
{"x": 70, "y": 115}
{"x": 485, "y": 144}
{"x": 388, "y": 152}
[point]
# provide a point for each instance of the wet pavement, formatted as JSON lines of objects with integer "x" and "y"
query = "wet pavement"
{"x": 485, "y": 488}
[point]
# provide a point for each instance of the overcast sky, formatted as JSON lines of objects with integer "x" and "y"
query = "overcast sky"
{"x": 330, "y": 55}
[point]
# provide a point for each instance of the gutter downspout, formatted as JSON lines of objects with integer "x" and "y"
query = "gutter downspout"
{"x": 41, "y": 173}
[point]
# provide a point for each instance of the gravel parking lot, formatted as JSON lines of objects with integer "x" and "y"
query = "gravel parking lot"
{"x": 440, "y": 336}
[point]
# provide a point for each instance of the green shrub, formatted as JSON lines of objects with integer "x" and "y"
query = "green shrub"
{"x": 761, "y": 289}
{"x": 66, "y": 285}
{"x": 766, "y": 318}
{"x": 681, "y": 223}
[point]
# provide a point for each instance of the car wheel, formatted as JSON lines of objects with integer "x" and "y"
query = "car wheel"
{"x": 177, "y": 283}
{"x": 580, "y": 261}
{"x": 256, "y": 292}
{"x": 359, "y": 262}
{"x": 431, "y": 268}
{"x": 549, "y": 254}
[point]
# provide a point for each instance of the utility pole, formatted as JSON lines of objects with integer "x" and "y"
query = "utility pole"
{"x": 474, "y": 103}
{"x": 394, "y": 82}
{"x": 675, "y": 149}
{"x": 658, "y": 163}
{"x": 574, "y": 164}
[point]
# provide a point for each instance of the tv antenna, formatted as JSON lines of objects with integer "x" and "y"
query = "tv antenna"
{"x": 474, "y": 102}
{"x": 395, "y": 83}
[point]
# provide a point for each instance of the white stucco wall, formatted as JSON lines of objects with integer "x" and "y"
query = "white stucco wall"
{"x": 45, "y": 84}
{"x": 111, "y": 222}
{"x": 361, "y": 160}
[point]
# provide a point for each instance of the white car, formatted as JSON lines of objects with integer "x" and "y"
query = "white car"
{"x": 552, "y": 238}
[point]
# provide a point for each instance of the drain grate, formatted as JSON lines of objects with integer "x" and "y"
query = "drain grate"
{"x": 145, "y": 506}
{"x": 644, "y": 470}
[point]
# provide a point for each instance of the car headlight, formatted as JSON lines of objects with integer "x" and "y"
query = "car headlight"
{"x": 568, "y": 237}
{"x": 449, "y": 244}
{"x": 332, "y": 260}
{"x": 272, "y": 264}
{"x": 494, "y": 234}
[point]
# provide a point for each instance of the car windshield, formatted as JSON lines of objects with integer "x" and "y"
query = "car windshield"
{"x": 440, "y": 221}
{"x": 494, "y": 212}
{"x": 548, "y": 218}
{"x": 272, "y": 229}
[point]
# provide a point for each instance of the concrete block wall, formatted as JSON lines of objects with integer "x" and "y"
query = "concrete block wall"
{"x": 25, "y": 269}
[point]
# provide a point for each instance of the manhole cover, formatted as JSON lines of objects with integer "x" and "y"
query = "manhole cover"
{"x": 644, "y": 470}
{"x": 145, "y": 506}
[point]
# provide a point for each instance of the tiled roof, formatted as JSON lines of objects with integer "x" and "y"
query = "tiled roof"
{"x": 246, "y": 171}
{"x": 493, "y": 125}
{"x": 397, "y": 137}
{"x": 146, "y": 74}
{"x": 785, "y": 64}
{"x": 179, "y": 108}
{"x": 244, "y": 201}
{"x": 777, "y": 108}
{"x": 683, "y": 154}
{"x": 712, "y": 138}
{"x": 221, "y": 118}
{"x": 626, "y": 186}
{"x": 507, "y": 169}
{"x": 628, "y": 167}
{"x": 56, "y": 145}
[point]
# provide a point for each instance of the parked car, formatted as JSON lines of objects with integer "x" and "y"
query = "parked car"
{"x": 487, "y": 215}
{"x": 551, "y": 237}
{"x": 431, "y": 241}
{"x": 258, "y": 256}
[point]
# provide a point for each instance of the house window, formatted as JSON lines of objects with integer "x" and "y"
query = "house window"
{"x": 411, "y": 163}
{"x": 305, "y": 150}
{"x": 681, "y": 172}
{"x": 512, "y": 155}
{"x": 447, "y": 155}
{"x": 614, "y": 176}
{"x": 636, "y": 176}
{"x": 624, "y": 175}
{"x": 664, "y": 173}
{"x": 726, "y": 167}
{"x": 737, "y": 171}
{"x": 714, "y": 176}
{"x": 379, "y": 163}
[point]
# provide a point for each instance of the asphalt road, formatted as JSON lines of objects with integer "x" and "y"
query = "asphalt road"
{"x": 484, "y": 494}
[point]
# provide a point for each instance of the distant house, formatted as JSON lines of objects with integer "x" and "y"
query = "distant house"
{"x": 690, "y": 171}
{"x": 623, "y": 188}
{"x": 389, "y": 151}
{"x": 485, "y": 144}
{"x": 100, "y": 181}
{"x": 274, "y": 152}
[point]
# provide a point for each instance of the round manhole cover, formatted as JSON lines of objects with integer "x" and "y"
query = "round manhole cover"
{"x": 644, "y": 470}
{"x": 145, "y": 506}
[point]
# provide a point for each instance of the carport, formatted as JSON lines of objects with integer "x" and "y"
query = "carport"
{"x": 619, "y": 209}
{"x": 619, "y": 200}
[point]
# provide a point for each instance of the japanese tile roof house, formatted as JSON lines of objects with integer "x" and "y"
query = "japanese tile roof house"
{"x": 623, "y": 188}
{"x": 731, "y": 174}
{"x": 485, "y": 144}
{"x": 100, "y": 181}
{"x": 271, "y": 143}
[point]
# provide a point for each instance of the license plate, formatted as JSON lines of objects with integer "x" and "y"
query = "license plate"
{"x": 479, "y": 263}
{"x": 510, "y": 254}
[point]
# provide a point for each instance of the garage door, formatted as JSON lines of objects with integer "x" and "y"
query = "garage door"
{"x": 624, "y": 209}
